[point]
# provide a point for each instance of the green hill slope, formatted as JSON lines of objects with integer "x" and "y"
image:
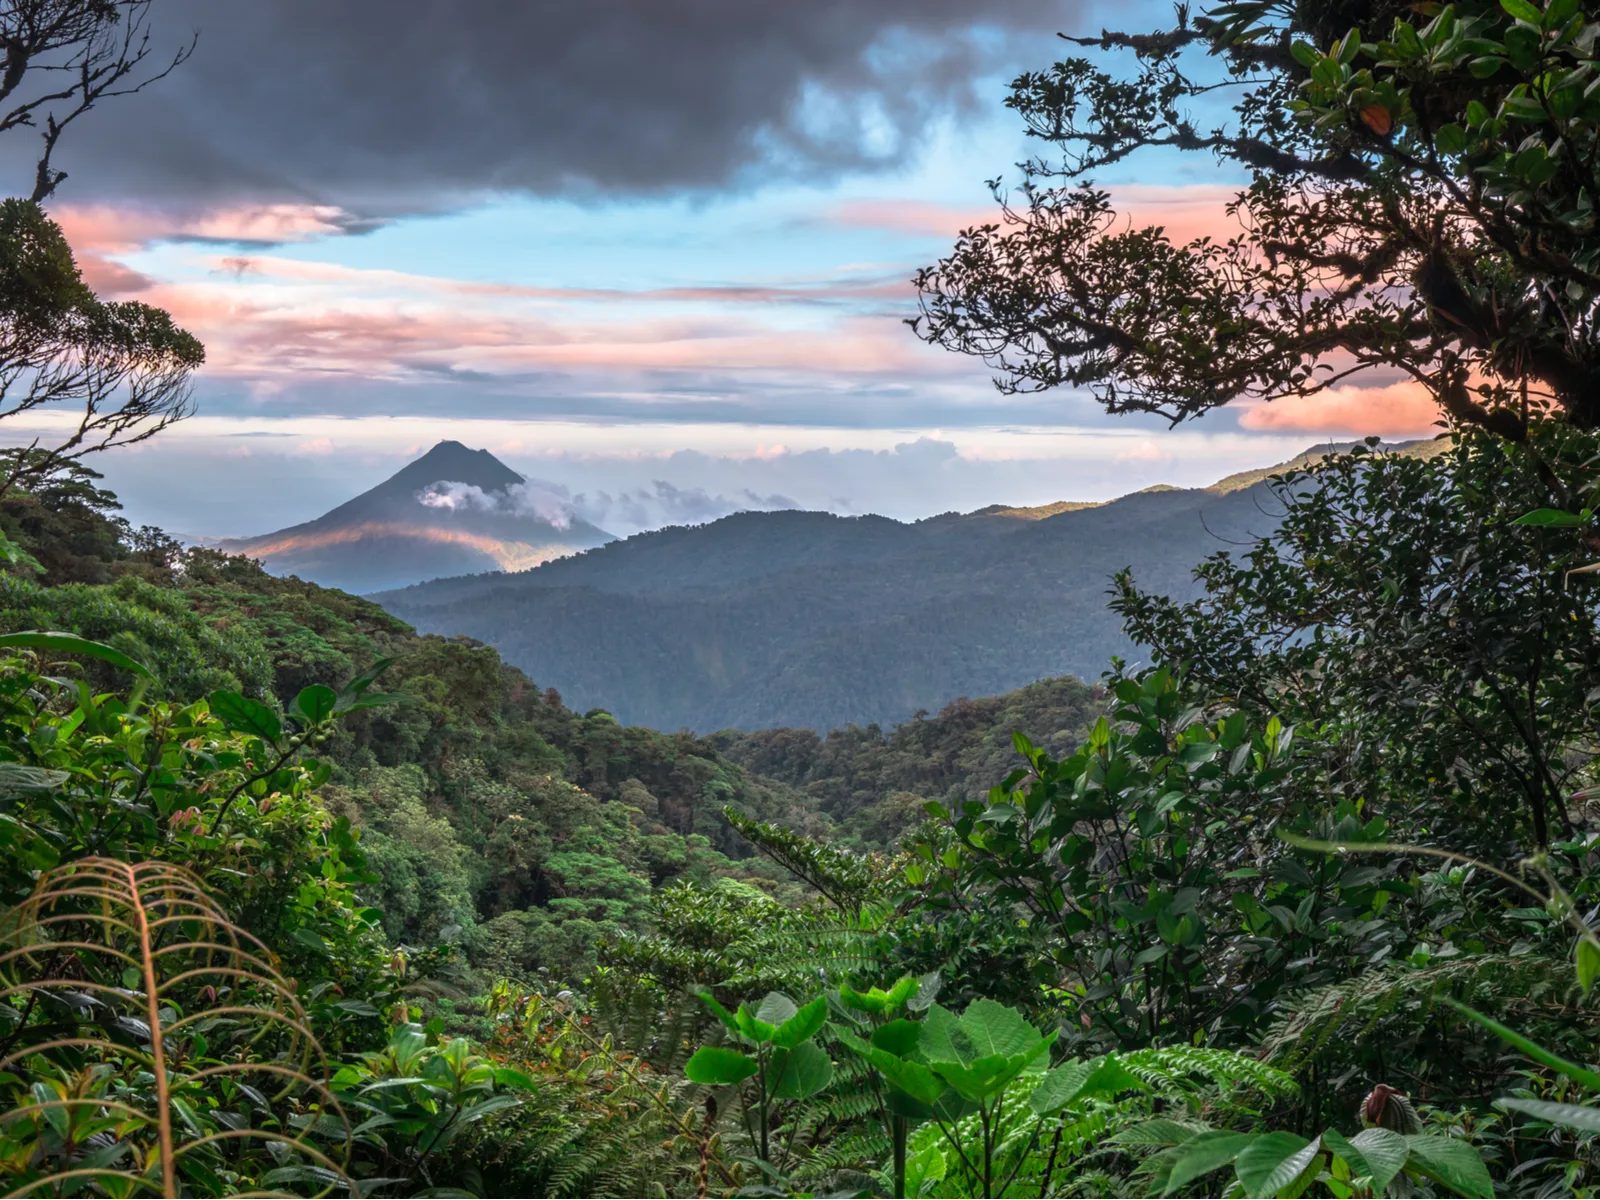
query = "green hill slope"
{"x": 814, "y": 620}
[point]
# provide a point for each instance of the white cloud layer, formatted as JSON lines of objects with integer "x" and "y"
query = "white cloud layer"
{"x": 632, "y": 477}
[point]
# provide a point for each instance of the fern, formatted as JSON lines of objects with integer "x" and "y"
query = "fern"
{"x": 118, "y": 973}
{"x": 1352, "y": 1009}
{"x": 847, "y": 880}
{"x": 1187, "y": 1073}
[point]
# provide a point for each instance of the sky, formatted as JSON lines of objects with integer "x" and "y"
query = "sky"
{"x": 656, "y": 255}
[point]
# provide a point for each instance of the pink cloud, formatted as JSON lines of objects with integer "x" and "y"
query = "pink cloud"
{"x": 1397, "y": 410}
{"x": 109, "y": 230}
{"x": 254, "y": 332}
{"x": 264, "y": 267}
{"x": 1186, "y": 211}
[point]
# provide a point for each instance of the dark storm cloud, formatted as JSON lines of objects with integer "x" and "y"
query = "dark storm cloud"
{"x": 382, "y": 106}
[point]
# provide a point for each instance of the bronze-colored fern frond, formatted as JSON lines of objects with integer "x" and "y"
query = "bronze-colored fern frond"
{"x": 144, "y": 1036}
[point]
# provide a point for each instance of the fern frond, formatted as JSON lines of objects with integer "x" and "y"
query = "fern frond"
{"x": 1352, "y": 1009}
{"x": 1185, "y": 1072}
{"x": 114, "y": 971}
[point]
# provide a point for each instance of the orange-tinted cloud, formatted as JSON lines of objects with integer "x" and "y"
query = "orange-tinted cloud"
{"x": 1397, "y": 410}
{"x": 1186, "y": 212}
{"x": 104, "y": 229}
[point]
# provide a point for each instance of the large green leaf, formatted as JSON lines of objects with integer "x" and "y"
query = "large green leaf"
{"x": 1573, "y": 1116}
{"x": 923, "y": 1169}
{"x": 719, "y": 1066}
{"x": 899, "y": 1037}
{"x": 1060, "y": 1087}
{"x": 982, "y": 1077}
{"x": 245, "y": 715}
{"x": 1273, "y": 1161}
{"x": 804, "y": 1071}
{"x": 942, "y": 1040}
{"x": 804, "y": 1024}
{"x": 1068, "y": 1084}
{"x": 995, "y": 1029}
{"x": 1205, "y": 1153}
{"x": 1385, "y": 1151}
{"x": 874, "y": 1000}
{"x": 1549, "y": 516}
{"x": 316, "y": 702}
{"x": 1449, "y": 1161}
{"x": 722, "y": 1014}
{"x": 71, "y": 643}
{"x": 912, "y": 1078}
{"x": 776, "y": 1008}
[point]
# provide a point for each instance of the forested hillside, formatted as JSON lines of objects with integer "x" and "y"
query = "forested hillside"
{"x": 875, "y": 782}
{"x": 813, "y": 620}
{"x": 495, "y": 817}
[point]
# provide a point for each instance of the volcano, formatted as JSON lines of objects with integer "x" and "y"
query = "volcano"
{"x": 454, "y": 511}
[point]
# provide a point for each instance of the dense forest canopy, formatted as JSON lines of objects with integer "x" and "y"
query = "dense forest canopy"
{"x": 294, "y": 900}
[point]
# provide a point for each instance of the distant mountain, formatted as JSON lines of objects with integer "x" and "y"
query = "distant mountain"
{"x": 453, "y": 511}
{"x": 812, "y": 620}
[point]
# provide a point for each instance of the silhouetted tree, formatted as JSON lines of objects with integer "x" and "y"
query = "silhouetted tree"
{"x": 122, "y": 370}
{"x": 1421, "y": 205}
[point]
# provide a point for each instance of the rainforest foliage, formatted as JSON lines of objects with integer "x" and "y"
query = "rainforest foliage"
{"x": 296, "y": 901}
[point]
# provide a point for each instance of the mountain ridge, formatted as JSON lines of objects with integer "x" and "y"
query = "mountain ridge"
{"x": 814, "y": 620}
{"x": 452, "y": 511}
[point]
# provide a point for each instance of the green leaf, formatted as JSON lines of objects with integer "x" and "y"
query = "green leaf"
{"x": 1272, "y": 1161}
{"x": 245, "y": 715}
{"x": 1450, "y": 1161}
{"x": 912, "y": 1078}
{"x": 872, "y": 1001}
{"x": 1385, "y": 1152}
{"x": 995, "y": 1029}
{"x": 805, "y": 1071}
{"x": 1068, "y": 1084}
{"x": 925, "y": 1167}
{"x": 316, "y": 702}
{"x": 491, "y": 1104}
{"x": 1349, "y": 47}
{"x": 1335, "y": 1143}
{"x": 1573, "y": 1116}
{"x": 1205, "y": 1153}
{"x": 898, "y": 1037}
{"x": 1588, "y": 955}
{"x": 940, "y": 1030}
{"x": 981, "y": 1078}
{"x": 1450, "y": 138}
{"x": 1549, "y": 516}
{"x": 71, "y": 643}
{"x": 903, "y": 990}
{"x": 806, "y": 1023}
{"x": 718, "y": 1066}
{"x": 775, "y": 1008}
{"x": 1522, "y": 11}
{"x": 1305, "y": 54}
{"x": 511, "y": 1077}
{"x": 350, "y": 696}
{"x": 1571, "y": 1070}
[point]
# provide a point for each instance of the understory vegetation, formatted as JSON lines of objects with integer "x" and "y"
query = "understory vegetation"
{"x": 295, "y": 901}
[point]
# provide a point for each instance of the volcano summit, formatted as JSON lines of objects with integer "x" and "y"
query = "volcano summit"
{"x": 454, "y": 511}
